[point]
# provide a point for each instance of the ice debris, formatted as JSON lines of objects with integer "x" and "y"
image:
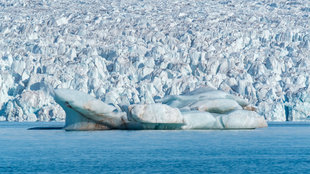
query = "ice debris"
{"x": 84, "y": 112}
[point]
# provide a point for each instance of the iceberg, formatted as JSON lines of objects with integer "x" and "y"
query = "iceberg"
{"x": 199, "y": 109}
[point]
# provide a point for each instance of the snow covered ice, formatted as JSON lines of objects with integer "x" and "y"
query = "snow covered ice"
{"x": 84, "y": 112}
{"x": 139, "y": 52}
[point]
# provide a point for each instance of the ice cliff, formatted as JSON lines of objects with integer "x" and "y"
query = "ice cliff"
{"x": 126, "y": 52}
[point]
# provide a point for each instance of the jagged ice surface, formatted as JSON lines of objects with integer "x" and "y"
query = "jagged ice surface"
{"x": 134, "y": 51}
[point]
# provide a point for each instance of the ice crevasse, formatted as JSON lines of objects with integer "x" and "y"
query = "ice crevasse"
{"x": 203, "y": 108}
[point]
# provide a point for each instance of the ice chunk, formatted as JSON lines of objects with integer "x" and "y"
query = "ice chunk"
{"x": 77, "y": 104}
{"x": 62, "y": 21}
{"x": 243, "y": 119}
{"x": 77, "y": 121}
{"x": 155, "y": 113}
{"x": 202, "y": 94}
{"x": 239, "y": 119}
{"x": 199, "y": 120}
{"x": 216, "y": 105}
{"x": 2, "y": 118}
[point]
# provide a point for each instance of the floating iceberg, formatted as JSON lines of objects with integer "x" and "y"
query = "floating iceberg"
{"x": 200, "y": 109}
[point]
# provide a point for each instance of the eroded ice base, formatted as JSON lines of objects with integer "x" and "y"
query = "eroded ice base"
{"x": 200, "y": 109}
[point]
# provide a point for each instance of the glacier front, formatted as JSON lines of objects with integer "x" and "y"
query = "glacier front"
{"x": 84, "y": 112}
{"x": 138, "y": 52}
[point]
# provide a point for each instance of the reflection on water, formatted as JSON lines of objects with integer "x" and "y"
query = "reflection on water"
{"x": 280, "y": 148}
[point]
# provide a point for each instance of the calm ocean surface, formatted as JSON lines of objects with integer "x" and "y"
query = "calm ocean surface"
{"x": 280, "y": 148}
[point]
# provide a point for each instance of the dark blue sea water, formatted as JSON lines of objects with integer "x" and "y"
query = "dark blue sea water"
{"x": 280, "y": 148}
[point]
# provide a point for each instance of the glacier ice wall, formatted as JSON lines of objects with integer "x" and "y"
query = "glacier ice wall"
{"x": 136, "y": 51}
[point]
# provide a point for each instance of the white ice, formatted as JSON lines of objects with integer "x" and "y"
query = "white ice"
{"x": 84, "y": 112}
{"x": 155, "y": 113}
{"x": 138, "y": 52}
{"x": 82, "y": 108}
